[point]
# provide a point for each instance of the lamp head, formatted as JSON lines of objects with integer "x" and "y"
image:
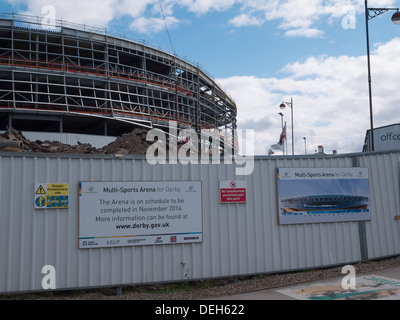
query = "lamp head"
{"x": 282, "y": 106}
{"x": 396, "y": 18}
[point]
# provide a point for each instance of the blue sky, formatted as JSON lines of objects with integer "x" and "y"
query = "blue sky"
{"x": 263, "y": 52}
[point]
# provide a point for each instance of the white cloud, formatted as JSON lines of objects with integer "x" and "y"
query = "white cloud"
{"x": 245, "y": 20}
{"x": 304, "y": 32}
{"x": 82, "y": 12}
{"x": 204, "y": 6}
{"x": 299, "y": 18}
{"x": 146, "y": 15}
{"x": 135, "y": 8}
{"x": 153, "y": 25}
{"x": 330, "y": 97}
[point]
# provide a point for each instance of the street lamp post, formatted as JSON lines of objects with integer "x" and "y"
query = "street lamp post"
{"x": 283, "y": 106}
{"x": 371, "y": 13}
{"x": 305, "y": 145}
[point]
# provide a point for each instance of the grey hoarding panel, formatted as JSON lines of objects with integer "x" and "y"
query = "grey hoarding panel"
{"x": 383, "y": 232}
{"x": 238, "y": 239}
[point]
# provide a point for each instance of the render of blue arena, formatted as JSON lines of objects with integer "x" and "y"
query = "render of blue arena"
{"x": 324, "y": 202}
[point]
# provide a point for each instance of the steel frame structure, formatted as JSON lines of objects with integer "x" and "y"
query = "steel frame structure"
{"x": 80, "y": 79}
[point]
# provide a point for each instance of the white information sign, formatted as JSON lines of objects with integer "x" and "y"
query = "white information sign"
{"x": 115, "y": 214}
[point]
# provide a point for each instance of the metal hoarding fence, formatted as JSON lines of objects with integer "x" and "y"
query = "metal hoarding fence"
{"x": 31, "y": 239}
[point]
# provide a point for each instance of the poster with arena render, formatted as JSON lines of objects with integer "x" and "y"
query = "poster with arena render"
{"x": 317, "y": 195}
{"x": 115, "y": 214}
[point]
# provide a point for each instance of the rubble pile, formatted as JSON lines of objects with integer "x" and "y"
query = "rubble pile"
{"x": 133, "y": 143}
{"x": 130, "y": 143}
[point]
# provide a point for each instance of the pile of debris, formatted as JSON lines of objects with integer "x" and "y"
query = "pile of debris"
{"x": 133, "y": 143}
{"x": 130, "y": 143}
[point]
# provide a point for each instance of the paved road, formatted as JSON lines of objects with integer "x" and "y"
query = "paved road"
{"x": 382, "y": 285}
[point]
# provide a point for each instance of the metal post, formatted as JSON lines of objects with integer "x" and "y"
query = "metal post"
{"x": 291, "y": 105}
{"x": 61, "y": 124}
{"x": 375, "y": 13}
{"x": 282, "y": 106}
{"x": 369, "y": 77}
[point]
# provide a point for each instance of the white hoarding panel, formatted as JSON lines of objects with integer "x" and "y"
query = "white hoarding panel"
{"x": 115, "y": 214}
{"x": 315, "y": 195}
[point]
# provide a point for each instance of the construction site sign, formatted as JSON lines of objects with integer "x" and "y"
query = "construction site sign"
{"x": 317, "y": 195}
{"x": 51, "y": 196}
{"x": 232, "y": 191}
{"x": 115, "y": 214}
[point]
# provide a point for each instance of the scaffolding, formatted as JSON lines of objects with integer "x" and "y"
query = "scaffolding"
{"x": 80, "y": 73}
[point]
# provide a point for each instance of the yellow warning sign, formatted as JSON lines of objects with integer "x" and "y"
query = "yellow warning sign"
{"x": 40, "y": 190}
{"x": 57, "y": 189}
{"x": 51, "y": 195}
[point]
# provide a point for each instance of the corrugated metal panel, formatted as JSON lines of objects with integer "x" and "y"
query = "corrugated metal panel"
{"x": 383, "y": 233}
{"x": 239, "y": 239}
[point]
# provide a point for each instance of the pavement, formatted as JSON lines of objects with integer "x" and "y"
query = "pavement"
{"x": 376, "y": 285}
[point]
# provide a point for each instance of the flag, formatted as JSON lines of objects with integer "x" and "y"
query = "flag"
{"x": 283, "y": 135}
{"x": 270, "y": 152}
{"x": 282, "y": 138}
{"x": 277, "y": 146}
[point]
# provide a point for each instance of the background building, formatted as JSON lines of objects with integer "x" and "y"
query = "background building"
{"x": 386, "y": 138}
